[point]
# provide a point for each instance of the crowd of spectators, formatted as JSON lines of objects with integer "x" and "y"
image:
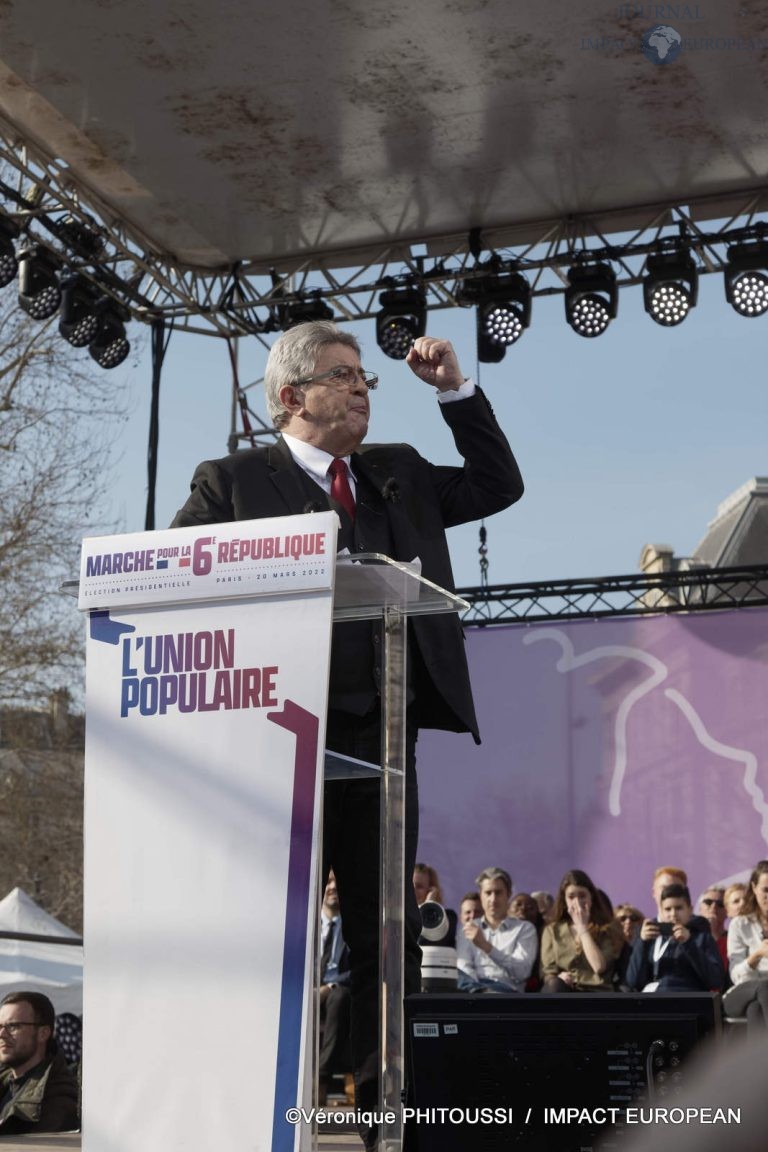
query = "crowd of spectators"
{"x": 574, "y": 941}
{"x": 577, "y": 941}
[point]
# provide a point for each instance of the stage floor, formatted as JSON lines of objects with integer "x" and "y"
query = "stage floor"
{"x": 330, "y": 1142}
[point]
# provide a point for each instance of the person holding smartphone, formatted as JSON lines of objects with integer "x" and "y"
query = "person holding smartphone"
{"x": 676, "y": 952}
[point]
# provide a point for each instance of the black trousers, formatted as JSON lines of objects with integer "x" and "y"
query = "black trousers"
{"x": 351, "y": 840}
{"x": 334, "y": 1055}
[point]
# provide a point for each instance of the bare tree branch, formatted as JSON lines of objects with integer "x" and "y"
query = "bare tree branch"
{"x": 59, "y": 415}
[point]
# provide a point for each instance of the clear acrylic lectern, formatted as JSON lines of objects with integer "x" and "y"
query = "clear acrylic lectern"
{"x": 370, "y": 586}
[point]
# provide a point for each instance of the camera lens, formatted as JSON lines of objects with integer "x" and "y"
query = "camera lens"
{"x": 434, "y": 922}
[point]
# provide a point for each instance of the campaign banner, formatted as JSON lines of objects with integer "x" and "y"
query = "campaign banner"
{"x": 617, "y": 746}
{"x": 205, "y": 727}
{"x": 285, "y": 555}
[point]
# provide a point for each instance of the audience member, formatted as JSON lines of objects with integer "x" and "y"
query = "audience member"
{"x": 426, "y": 884}
{"x": 662, "y": 878}
{"x": 677, "y": 951}
{"x": 470, "y": 908}
{"x": 712, "y": 908}
{"x": 545, "y": 901}
{"x": 495, "y": 952}
{"x": 524, "y": 907}
{"x": 38, "y": 1092}
{"x": 334, "y": 993}
{"x": 630, "y": 919}
{"x": 748, "y": 954}
{"x": 733, "y": 897}
{"x": 581, "y": 945}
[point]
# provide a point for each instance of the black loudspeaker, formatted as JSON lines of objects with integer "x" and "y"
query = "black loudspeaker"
{"x": 490, "y": 1073}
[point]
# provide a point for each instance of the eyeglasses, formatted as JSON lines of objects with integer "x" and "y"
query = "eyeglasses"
{"x": 344, "y": 377}
{"x": 709, "y": 901}
{"x": 15, "y": 1025}
{"x": 628, "y": 916}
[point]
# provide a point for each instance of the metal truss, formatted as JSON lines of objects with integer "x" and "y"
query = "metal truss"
{"x": 696, "y": 590}
{"x": 43, "y": 197}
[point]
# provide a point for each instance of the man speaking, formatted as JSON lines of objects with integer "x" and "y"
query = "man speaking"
{"x": 391, "y": 500}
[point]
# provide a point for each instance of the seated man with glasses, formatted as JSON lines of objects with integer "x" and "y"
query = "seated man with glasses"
{"x": 390, "y": 500}
{"x": 38, "y": 1093}
{"x": 630, "y": 919}
{"x": 712, "y": 908}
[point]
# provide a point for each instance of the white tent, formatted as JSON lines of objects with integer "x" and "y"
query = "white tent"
{"x": 33, "y": 965}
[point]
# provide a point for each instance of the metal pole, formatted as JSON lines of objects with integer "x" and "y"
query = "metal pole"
{"x": 392, "y": 880}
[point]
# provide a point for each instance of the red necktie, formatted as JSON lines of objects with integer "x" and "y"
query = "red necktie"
{"x": 340, "y": 489}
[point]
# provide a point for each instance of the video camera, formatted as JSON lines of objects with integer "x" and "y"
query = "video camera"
{"x": 438, "y": 948}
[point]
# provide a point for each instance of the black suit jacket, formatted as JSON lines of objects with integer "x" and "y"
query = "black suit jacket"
{"x": 424, "y": 500}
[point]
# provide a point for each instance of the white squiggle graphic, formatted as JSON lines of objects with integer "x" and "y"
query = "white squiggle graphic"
{"x": 568, "y": 661}
{"x": 748, "y": 759}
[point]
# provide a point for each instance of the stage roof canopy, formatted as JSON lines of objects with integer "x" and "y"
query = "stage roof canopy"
{"x": 280, "y": 134}
{"x": 236, "y": 159}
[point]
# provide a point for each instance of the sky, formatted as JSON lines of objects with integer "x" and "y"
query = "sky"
{"x": 630, "y": 438}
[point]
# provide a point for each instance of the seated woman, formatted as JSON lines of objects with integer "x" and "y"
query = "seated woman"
{"x": 677, "y": 952}
{"x": 748, "y": 954}
{"x": 581, "y": 945}
{"x": 733, "y": 898}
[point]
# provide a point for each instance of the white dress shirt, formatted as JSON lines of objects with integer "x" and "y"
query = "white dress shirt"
{"x": 745, "y": 935}
{"x": 513, "y": 952}
{"x": 315, "y": 462}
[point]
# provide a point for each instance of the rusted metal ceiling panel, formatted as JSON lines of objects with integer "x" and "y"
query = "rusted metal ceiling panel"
{"x": 276, "y": 132}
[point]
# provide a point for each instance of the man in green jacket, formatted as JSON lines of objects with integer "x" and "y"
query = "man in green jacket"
{"x": 38, "y": 1092}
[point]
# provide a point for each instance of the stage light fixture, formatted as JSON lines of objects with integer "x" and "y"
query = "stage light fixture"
{"x": 109, "y": 346}
{"x": 670, "y": 287}
{"x": 8, "y": 262}
{"x": 591, "y": 298}
{"x": 303, "y": 312}
{"x": 746, "y": 282}
{"x": 39, "y": 291}
{"x": 401, "y": 319}
{"x": 81, "y": 236}
{"x": 80, "y": 316}
{"x": 503, "y": 314}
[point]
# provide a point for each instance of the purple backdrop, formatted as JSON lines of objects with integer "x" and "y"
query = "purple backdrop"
{"x": 610, "y": 745}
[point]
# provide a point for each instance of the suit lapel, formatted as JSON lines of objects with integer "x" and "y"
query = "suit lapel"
{"x": 286, "y": 476}
{"x": 288, "y": 481}
{"x": 396, "y": 510}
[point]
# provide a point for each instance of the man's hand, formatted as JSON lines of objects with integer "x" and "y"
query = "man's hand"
{"x": 474, "y": 934}
{"x": 650, "y": 930}
{"x": 434, "y": 362}
{"x": 681, "y": 933}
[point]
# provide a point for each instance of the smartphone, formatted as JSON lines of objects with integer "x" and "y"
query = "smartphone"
{"x": 665, "y": 929}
